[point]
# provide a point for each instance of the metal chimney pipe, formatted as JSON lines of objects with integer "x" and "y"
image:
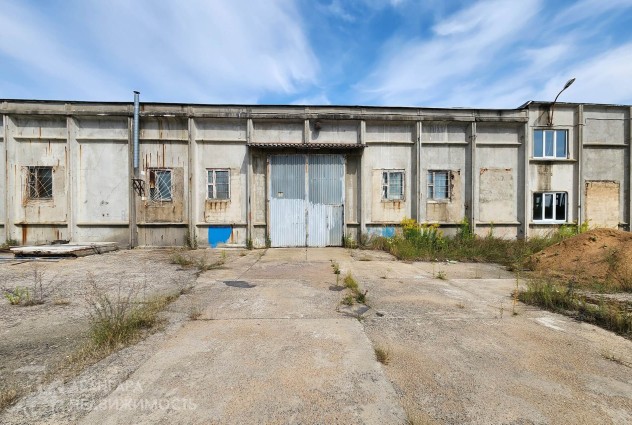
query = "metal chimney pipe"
{"x": 136, "y": 130}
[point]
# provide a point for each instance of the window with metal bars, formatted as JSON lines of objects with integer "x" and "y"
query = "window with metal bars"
{"x": 549, "y": 207}
{"x": 160, "y": 189}
{"x": 438, "y": 185}
{"x": 39, "y": 182}
{"x": 218, "y": 184}
{"x": 392, "y": 185}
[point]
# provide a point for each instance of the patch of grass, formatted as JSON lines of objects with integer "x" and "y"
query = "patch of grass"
{"x": 202, "y": 264}
{"x": 335, "y": 266}
{"x": 17, "y": 295}
{"x": 118, "y": 320}
{"x": 383, "y": 355}
{"x": 349, "y": 242}
{"x": 8, "y": 396}
{"x": 35, "y": 295}
{"x": 8, "y": 244}
{"x": 348, "y": 300}
{"x": 426, "y": 242}
{"x": 552, "y": 296}
{"x": 441, "y": 275}
{"x": 350, "y": 282}
{"x": 180, "y": 259}
{"x": 356, "y": 295}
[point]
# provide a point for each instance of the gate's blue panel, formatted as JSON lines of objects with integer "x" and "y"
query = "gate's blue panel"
{"x": 218, "y": 234}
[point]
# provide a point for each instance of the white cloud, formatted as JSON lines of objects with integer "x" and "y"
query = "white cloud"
{"x": 589, "y": 9}
{"x": 425, "y": 70}
{"x": 192, "y": 51}
{"x": 601, "y": 79}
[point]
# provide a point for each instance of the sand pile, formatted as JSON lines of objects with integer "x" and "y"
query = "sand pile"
{"x": 598, "y": 254}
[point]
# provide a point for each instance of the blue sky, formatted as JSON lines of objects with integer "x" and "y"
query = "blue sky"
{"x": 477, "y": 53}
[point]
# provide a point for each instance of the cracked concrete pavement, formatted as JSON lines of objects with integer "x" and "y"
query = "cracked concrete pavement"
{"x": 270, "y": 346}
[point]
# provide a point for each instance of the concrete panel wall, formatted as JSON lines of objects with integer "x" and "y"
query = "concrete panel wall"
{"x": 376, "y": 159}
{"x": 208, "y": 129}
{"x": 335, "y": 132}
{"x": 439, "y": 132}
{"x": 103, "y": 182}
{"x": 218, "y": 156}
{"x": 444, "y": 157}
{"x": 258, "y": 199}
{"x": 497, "y": 134}
{"x": 603, "y": 164}
{"x": 352, "y": 198}
{"x": 37, "y": 141}
{"x": 389, "y": 132}
{"x": 277, "y": 132}
{"x": 164, "y": 128}
{"x": 498, "y": 184}
{"x": 603, "y": 125}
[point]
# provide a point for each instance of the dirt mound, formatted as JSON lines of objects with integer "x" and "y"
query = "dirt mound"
{"x": 599, "y": 254}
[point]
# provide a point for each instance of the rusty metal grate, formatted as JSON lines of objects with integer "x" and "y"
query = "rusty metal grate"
{"x": 39, "y": 182}
{"x": 160, "y": 185}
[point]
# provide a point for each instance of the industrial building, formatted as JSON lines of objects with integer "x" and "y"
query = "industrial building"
{"x": 305, "y": 175}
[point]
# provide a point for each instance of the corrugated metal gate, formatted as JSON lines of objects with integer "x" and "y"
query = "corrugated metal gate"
{"x": 306, "y": 200}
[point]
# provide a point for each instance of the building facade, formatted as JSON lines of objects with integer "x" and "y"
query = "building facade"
{"x": 305, "y": 175}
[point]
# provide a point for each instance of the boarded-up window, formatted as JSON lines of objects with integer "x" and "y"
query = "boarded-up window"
{"x": 602, "y": 203}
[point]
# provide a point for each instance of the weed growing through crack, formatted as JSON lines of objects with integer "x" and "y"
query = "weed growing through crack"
{"x": 441, "y": 275}
{"x": 336, "y": 268}
{"x": 202, "y": 263}
{"x": 552, "y": 296}
{"x": 348, "y": 300}
{"x": 117, "y": 320}
{"x": 356, "y": 295}
{"x": 383, "y": 355}
{"x": 608, "y": 355}
{"x": 36, "y": 294}
{"x": 350, "y": 283}
{"x": 17, "y": 295}
{"x": 8, "y": 396}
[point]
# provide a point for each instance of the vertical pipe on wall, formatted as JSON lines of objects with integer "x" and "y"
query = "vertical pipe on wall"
{"x": 135, "y": 154}
{"x": 136, "y": 131}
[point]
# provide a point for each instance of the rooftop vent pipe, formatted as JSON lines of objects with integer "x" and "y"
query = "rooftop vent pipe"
{"x": 136, "y": 131}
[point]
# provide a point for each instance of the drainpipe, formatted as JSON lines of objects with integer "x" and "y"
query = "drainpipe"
{"x": 135, "y": 163}
{"x": 136, "y": 131}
